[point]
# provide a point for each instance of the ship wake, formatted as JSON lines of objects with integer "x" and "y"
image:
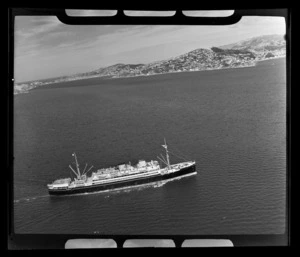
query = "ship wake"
{"x": 29, "y": 199}
{"x": 128, "y": 189}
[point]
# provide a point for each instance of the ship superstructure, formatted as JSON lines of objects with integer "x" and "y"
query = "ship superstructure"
{"x": 122, "y": 175}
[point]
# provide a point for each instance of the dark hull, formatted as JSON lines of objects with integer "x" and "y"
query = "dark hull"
{"x": 115, "y": 185}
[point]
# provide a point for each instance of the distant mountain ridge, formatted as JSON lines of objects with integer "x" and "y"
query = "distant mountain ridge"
{"x": 258, "y": 45}
{"x": 241, "y": 54}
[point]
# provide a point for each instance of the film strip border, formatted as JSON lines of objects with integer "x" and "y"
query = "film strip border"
{"x": 32, "y": 241}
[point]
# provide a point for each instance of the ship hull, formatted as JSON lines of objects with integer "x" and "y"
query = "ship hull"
{"x": 121, "y": 184}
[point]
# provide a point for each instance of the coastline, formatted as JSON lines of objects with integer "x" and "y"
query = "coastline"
{"x": 32, "y": 87}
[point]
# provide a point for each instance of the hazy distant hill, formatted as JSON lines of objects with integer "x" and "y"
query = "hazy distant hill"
{"x": 244, "y": 53}
{"x": 262, "y": 45}
{"x": 241, "y": 54}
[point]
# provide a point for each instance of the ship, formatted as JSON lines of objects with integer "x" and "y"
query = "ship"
{"x": 122, "y": 175}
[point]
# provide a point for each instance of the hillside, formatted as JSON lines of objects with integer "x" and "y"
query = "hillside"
{"x": 261, "y": 46}
{"x": 241, "y": 54}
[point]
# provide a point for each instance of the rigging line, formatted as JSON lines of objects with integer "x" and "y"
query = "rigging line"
{"x": 163, "y": 158}
{"x": 180, "y": 152}
{"x": 178, "y": 156}
{"x": 73, "y": 170}
{"x": 174, "y": 148}
{"x": 85, "y": 168}
{"x": 89, "y": 169}
{"x": 183, "y": 157}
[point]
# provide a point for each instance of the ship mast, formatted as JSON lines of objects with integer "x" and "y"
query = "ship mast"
{"x": 77, "y": 165}
{"x": 167, "y": 153}
{"x": 73, "y": 171}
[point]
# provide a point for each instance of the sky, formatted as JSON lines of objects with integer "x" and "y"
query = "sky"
{"x": 47, "y": 48}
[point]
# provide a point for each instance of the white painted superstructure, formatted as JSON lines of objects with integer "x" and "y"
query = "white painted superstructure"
{"x": 121, "y": 173}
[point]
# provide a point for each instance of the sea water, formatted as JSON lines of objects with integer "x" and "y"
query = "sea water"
{"x": 232, "y": 122}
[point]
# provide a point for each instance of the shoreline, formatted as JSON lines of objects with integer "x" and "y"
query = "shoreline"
{"x": 147, "y": 75}
{"x": 213, "y": 69}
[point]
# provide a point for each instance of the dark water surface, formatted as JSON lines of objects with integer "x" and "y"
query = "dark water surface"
{"x": 232, "y": 122}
